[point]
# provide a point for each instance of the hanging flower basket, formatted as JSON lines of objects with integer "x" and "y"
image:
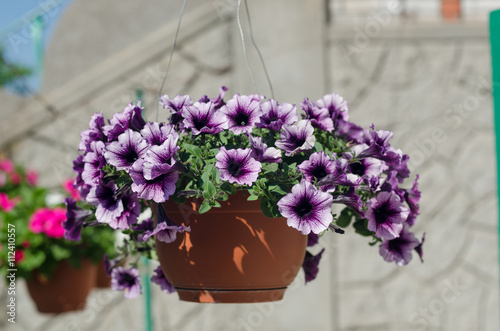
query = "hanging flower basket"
{"x": 231, "y": 254}
{"x": 239, "y": 188}
{"x": 66, "y": 290}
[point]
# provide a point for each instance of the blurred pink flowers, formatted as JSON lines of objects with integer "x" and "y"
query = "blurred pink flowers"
{"x": 68, "y": 187}
{"x": 7, "y": 204}
{"x": 32, "y": 177}
{"x": 6, "y": 165}
{"x": 49, "y": 221}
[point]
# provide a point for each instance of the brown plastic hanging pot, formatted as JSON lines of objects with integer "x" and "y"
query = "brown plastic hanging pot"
{"x": 102, "y": 280}
{"x": 66, "y": 290}
{"x": 233, "y": 254}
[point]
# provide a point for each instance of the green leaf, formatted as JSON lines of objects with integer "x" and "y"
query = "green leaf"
{"x": 194, "y": 150}
{"x": 345, "y": 217}
{"x": 318, "y": 146}
{"x": 361, "y": 227}
{"x": 253, "y": 198}
{"x": 211, "y": 189}
{"x": 271, "y": 167}
{"x": 205, "y": 206}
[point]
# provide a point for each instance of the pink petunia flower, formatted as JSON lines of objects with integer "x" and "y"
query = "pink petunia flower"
{"x": 18, "y": 256}
{"x": 6, "y": 165}
{"x": 7, "y": 204}
{"x": 15, "y": 178}
{"x": 68, "y": 187}
{"x": 32, "y": 177}
{"x": 49, "y": 221}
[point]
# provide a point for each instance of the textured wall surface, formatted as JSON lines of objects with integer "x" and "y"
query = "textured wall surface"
{"x": 428, "y": 84}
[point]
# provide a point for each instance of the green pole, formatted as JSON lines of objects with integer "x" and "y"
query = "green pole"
{"x": 495, "y": 63}
{"x": 37, "y": 35}
{"x": 148, "y": 315}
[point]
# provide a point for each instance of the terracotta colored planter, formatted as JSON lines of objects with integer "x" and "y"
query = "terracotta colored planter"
{"x": 233, "y": 254}
{"x": 66, "y": 290}
{"x": 102, "y": 280}
{"x": 450, "y": 9}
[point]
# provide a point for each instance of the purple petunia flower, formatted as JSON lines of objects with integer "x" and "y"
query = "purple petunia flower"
{"x": 159, "y": 160}
{"x": 127, "y": 280}
{"x": 351, "y": 199}
{"x": 176, "y": 104}
{"x": 412, "y": 198}
{"x": 237, "y": 166}
{"x": 320, "y": 117}
{"x": 306, "y": 208}
{"x": 203, "y": 118}
{"x": 296, "y": 138}
{"x": 128, "y": 149}
{"x": 312, "y": 239}
{"x": 75, "y": 219}
{"x": 386, "y": 214}
{"x": 94, "y": 161}
{"x": 219, "y": 101}
{"x": 399, "y": 250}
{"x": 94, "y": 133}
{"x": 130, "y": 118}
{"x": 419, "y": 250}
{"x": 311, "y": 265}
{"x": 119, "y": 213}
{"x": 336, "y": 105}
{"x": 166, "y": 230}
{"x": 156, "y": 133}
{"x": 274, "y": 115}
{"x": 367, "y": 167}
{"x": 349, "y": 131}
{"x": 262, "y": 153}
{"x": 159, "y": 279}
{"x": 146, "y": 225}
{"x": 158, "y": 189}
{"x": 339, "y": 176}
{"x": 317, "y": 167}
{"x": 242, "y": 112}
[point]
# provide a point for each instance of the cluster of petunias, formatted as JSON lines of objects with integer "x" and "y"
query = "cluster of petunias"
{"x": 48, "y": 221}
{"x": 298, "y": 164}
{"x": 11, "y": 180}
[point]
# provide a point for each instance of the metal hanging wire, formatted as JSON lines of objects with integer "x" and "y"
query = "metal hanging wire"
{"x": 170, "y": 56}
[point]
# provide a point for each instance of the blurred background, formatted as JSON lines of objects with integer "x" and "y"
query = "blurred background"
{"x": 421, "y": 68}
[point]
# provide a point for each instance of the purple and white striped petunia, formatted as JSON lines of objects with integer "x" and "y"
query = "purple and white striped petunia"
{"x": 237, "y": 166}
{"x": 306, "y": 208}
{"x": 386, "y": 214}
{"x": 158, "y": 189}
{"x": 412, "y": 198}
{"x": 176, "y": 104}
{"x": 75, "y": 219}
{"x": 94, "y": 133}
{"x": 156, "y": 133}
{"x": 336, "y": 105}
{"x": 399, "y": 250}
{"x": 166, "y": 230}
{"x": 339, "y": 176}
{"x": 127, "y": 280}
{"x": 219, "y": 101}
{"x": 159, "y": 279}
{"x": 351, "y": 199}
{"x": 317, "y": 167}
{"x": 262, "y": 153}
{"x": 319, "y": 117}
{"x": 160, "y": 160}
{"x": 204, "y": 118}
{"x": 311, "y": 265}
{"x": 275, "y": 115}
{"x": 242, "y": 112}
{"x": 130, "y": 118}
{"x": 118, "y": 212}
{"x": 367, "y": 167}
{"x": 130, "y": 147}
{"x": 296, "y": 138}
{"x": 94, "y": 161}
